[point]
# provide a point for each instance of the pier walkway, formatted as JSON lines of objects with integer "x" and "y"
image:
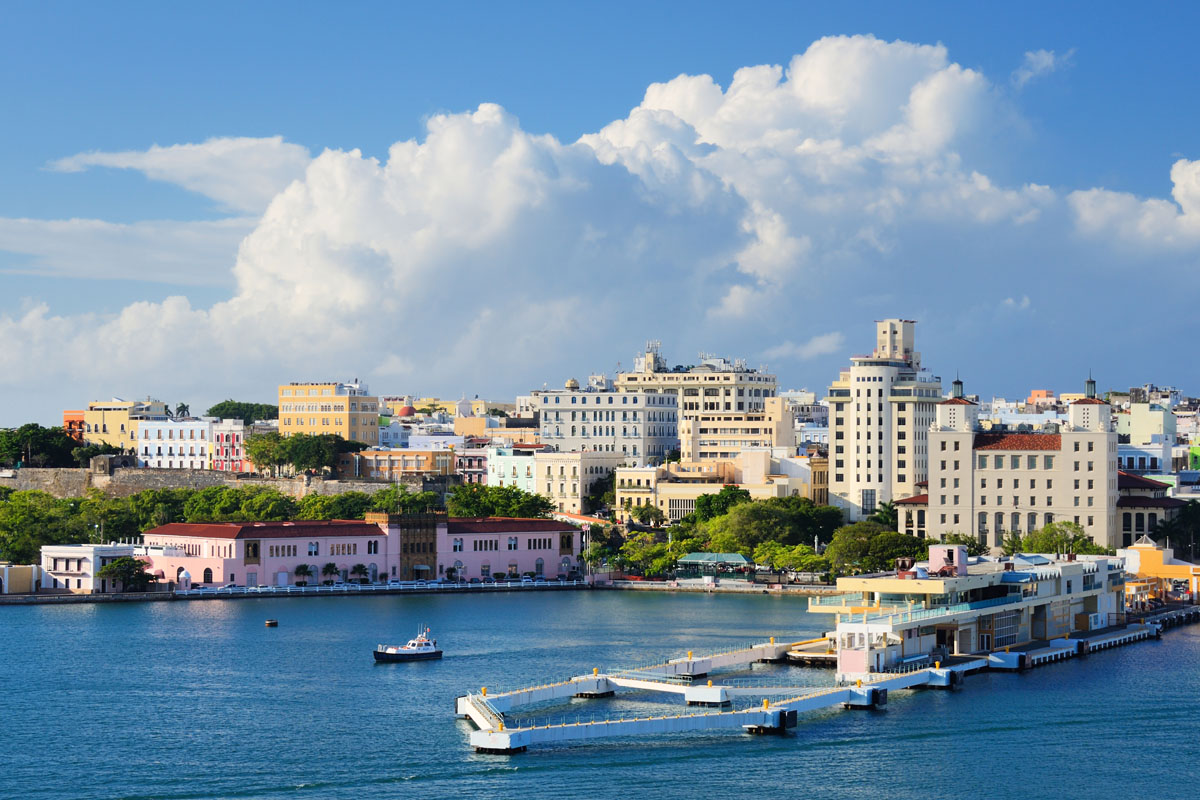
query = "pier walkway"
{"x": 681, "y": 676}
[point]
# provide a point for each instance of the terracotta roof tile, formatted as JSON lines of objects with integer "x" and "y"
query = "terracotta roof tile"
{"x": 956, "y": 401}
{"x": 267, "y": 530}
{"x": 915, "y": 500}
{"x": 1018, "y": 441}
{"x": 1127, "y": 480}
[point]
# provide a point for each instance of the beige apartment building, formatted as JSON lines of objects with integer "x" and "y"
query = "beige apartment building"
{"x": 881, "y": 409}
{"x": 724, "y": 434}
{"x": 345, "y": 409}
{"x": 567, "y": 478}
{"x": 674, "y": 487}
{"x": 715, "y": 384}
{"x": 395, "y": 465}
{"x": 115, "y": 422}
{"x": 989, "y": 484}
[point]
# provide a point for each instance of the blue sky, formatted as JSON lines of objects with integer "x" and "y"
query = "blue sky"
{"x": 1025, "y": 290}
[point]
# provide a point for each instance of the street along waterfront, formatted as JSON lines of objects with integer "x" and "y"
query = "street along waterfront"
{"x": 188, "y": 700}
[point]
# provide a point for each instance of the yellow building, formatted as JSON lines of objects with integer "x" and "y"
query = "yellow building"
{"x": 723, "y": 434}
{"x": 1159, "y": 574}
{"x": 341, "y": 408}
{"x": 393, "y": 465}
{"x": 115, "y": 422}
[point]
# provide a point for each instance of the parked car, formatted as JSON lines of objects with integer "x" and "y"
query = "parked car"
{"x": 489, "y": 580}
{"x": 394, "y": 584}
{"x": 526, "y": 580}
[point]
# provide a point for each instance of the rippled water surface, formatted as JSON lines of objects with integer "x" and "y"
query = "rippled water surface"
{"x": 200, "y": 700}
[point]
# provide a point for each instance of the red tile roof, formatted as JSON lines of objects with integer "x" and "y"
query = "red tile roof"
{"x": 1142, "y": 501}
{"x": 268, "y": 530}
{"x": 1127, "y": 480}
{"x": 506, "y": 525}
{"x": 915, "y": 500}
{"x": 1018, "y": 441}
{"x": 956, "y": 401}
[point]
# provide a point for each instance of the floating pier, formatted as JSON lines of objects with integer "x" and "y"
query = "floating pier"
{"x": 782, "y": 701}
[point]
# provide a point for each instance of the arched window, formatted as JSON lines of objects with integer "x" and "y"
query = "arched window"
{"x": 208, "y": 575}
{"x": 539, "y": 567}
{"x": 178, "y": 572}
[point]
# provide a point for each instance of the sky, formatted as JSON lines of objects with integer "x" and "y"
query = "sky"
{"x": 199, "y": 203}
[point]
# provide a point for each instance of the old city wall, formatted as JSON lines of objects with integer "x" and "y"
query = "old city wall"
{"x": 126, "y": 482}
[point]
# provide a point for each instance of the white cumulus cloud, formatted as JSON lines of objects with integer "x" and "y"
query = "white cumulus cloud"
{"x": 484, "y": 257}
{"x": 1038, "y": 63}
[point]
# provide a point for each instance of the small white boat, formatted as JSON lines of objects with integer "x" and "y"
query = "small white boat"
{"x": 419, "y": 648}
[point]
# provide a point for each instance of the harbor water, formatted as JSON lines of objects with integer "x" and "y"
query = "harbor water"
{"x": 201, "y": 700}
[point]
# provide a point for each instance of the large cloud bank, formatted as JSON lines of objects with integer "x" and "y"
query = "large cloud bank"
{"x": 772, "y": 218}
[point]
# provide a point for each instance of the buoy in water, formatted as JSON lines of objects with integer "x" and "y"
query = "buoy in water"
{"x": 272, "y": 623}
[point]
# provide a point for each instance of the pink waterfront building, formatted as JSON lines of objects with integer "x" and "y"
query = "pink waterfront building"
{"x": 481, "y": 548}
{"x": 387, "y": 546}
{"x": 269, "y": 553}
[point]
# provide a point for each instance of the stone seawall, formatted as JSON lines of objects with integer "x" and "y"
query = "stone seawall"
{"x": 125, "y": 482}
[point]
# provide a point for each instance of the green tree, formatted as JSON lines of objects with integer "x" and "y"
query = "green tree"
{"x": 399, "y": 500}
{"x": 1061, "y": 537}
{"x": 303, "y": 571}
{"x": 497, "y": 412}
{"x": 183, "y": 410}
{"x": 643, "y": 554}
{"x": 850, "y": 548}
{"x": 266, "y": 451}
{"x": 31, "y": 519}
{"x": 32, "y": 445}
{"x": 330, "y": 572}
{"x": 130, "y": 573}
{"x": 648, "y": 515}
{"x": 886, "y": 547}
{"x": 710, "y": 506}
{"x": 247, "y": 412}
{"x": 974, "y": 546}
{"x": 360, "y": 571}
{"x": 84, "y": 454}
{"x": 886, "y": 515}
{"x": 475, "y": 500}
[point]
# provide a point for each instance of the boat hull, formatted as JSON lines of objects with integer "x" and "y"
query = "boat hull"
{"x": 393, "y": 657}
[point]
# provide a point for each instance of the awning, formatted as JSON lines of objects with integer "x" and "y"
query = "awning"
{"x": 158, "y": 573}
{"x": 421, "y": 568}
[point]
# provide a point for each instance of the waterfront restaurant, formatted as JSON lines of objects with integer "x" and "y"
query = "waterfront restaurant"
{"x": 952, "y": 605}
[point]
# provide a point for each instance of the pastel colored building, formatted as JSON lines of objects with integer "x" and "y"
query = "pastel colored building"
{"x": 512, "y": 466}
{"x": 115, "y": 422}
{"x": 175, "y": 443}
{"x": 724, "y": 434}
{"x": 715, "y": 384}
{"x": 228, "y": 451}
{"x": 19, "y": 578}
{"x": 394, "y": 465}
{"x": 268, "y": 553}
{"x": 480, "y": 548}
{"x": 72, "y": 423}
{"x": 1161, "y": 574}
{"x": 345, "y": 409}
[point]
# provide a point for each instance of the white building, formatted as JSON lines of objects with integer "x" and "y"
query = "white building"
{"x": 991, "y": 483}
{"x": 715, "y": 384}
{"x": 881, "y": 410}
{"x": 641, "y": 427}
{"x": 74, "y": 566}
{"x": 175, "y": 443}
{"x": 567, "y": 478}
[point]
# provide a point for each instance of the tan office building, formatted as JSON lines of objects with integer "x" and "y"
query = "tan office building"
{"x": 115, "y": 422}
{"x": 724, "y": 434}
{"x": 345, "y": 409}
{"x": 715, "y": 384}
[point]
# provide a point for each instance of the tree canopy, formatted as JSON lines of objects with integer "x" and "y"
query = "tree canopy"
{"x": 868, "y": 546}
{"x": 476, "y": 500}
{"x": 711, "y": 506}
{"x": 301, "y": 450}
{"x": 246, "y": 412}
{"x": 129, "y": 572}
{"x": 32, "y": 445}
{"x": 1057, "y": 537}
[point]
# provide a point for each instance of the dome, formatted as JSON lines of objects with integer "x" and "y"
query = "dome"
{"x": 185, "y": 575}
{"x": 407, "y": 411}
{"x": 572, "y": 384}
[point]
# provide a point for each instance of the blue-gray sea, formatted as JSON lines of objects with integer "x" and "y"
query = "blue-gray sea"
{"x": 200, "y": 700}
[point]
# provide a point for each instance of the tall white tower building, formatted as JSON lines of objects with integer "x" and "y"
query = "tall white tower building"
{"x": 881, "y": 409}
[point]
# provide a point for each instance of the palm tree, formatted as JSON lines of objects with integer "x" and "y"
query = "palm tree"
{"x": 304, "y": 571}
{"x": 330, "y": 571}
{"x": 886, "y": 514}
{"x": 361, "y": 571}
{"x": 183, "y": 410}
